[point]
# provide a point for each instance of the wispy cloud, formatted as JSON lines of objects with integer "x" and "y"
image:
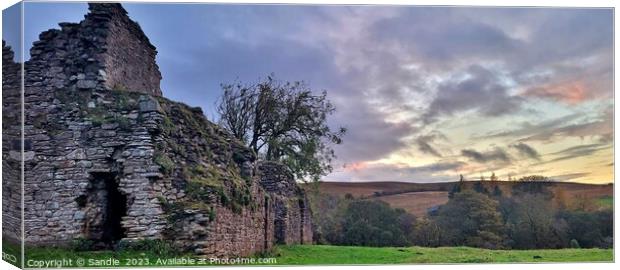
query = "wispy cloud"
{"x": 526, "y": 151}
{"x": 578, "y": 151}
{"x": 497, "y": 154}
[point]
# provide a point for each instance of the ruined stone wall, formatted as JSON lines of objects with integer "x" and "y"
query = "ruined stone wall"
{"x": 104, "y": 51}
{"x": 214, "y": 204}
{"x": 109, "y": 163}
{"x": 292, "y": 223}
{"x": 11, "y": 145}
{"x": 129, "y": 60}
{"x": 78, "y": 137}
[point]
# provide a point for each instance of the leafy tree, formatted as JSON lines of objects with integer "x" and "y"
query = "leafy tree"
{"x": 471, "y": 219}
{"x": 375, "y": 223}
{"x": 589, "y": 229}
{"x": 533, "y": 184}
{"x": 427, "y": 233}
{"x": 532, "y": 223}
{"x": 327, "y": 215}
{"x": 282, "y": 121}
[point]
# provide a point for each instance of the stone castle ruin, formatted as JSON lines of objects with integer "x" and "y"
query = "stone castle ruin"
{"x": 108, "y": 159}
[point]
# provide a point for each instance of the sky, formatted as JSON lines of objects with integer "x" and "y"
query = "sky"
{"x": 426, "y": 93}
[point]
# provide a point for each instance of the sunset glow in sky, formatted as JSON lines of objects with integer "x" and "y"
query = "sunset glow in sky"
{"x": 427, "y": 93}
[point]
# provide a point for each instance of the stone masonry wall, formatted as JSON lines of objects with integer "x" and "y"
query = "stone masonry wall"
{"x": 104, "y": 51}
{"x": 212, "y": 199}
{"x": 11, "y": 146}
{"x": 292, "y": 224}
{"x": 76, "y": 131}
{"x": 130, "y": 57}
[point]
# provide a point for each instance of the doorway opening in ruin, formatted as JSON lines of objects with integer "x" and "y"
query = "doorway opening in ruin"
{"x": 302, "y": 214}
{"x": 112, "y": 204}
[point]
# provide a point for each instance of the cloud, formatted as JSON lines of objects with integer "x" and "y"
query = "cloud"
{"x": 434, "y": 172}
{"x": 528, "y": 129}
{"x": 369, "y": 136}
{"x": 601, "y": 126}
{"x": 571, "y": 92}
{"x": 569, "y": 176}
{"x": 578, "y": 151}
{"x": 495, "y": 155}
{"x": 424, "y": 143}
{"x": 437, "y": 167}
{"x": 453, "y": 38}
{"x": 481, "y": 91}
{"x": 577, "y": 124}
{"x": 526, "y": 151}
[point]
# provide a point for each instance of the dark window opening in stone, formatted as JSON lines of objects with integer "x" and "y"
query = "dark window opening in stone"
{"x": 109, "y": 206}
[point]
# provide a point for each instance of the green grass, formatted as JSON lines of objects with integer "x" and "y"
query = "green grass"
{"x": 331, "y": 255}
{"x": 13, "y": 250}
{"x": 129, "y": 257}
{"x": 317, "y": 254}
{"x": 606, "y": 201}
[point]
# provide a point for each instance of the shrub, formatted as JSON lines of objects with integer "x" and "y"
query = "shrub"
{"x": 166, "y": 164}
{"x": 82, "y": 244}
{"x": 123, "y": 123}
{"x": 574, "y": 243}
{"x": 212, "y": 214}
{"x": 155, "y": 246}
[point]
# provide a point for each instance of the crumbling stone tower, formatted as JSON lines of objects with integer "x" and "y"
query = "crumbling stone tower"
{"x": 108, "y": 159}
{"x": 106, "y": 50}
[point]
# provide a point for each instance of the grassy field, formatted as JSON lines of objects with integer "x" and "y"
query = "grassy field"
{"x": 308, "y": 255}
{"x": 330, "y": 255}
{"x": 606, "y": 201}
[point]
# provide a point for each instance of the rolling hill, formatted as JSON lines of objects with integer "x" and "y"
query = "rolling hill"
{"x": 417, "y": 198}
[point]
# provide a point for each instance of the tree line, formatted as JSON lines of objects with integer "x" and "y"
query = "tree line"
{"x": 476, "y": 215}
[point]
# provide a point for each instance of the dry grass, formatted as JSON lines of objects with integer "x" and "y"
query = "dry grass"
{"x": 416, "y": 203}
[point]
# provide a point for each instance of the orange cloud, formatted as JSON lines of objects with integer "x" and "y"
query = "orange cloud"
{"x": 355, "y": 166}
{"x": 569, "y": 92}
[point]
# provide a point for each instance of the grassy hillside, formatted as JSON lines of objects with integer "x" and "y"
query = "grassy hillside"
{"x": 308, "y": 255}
{"x": 416, "y": 203}
{"x": 416, "y": 198}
